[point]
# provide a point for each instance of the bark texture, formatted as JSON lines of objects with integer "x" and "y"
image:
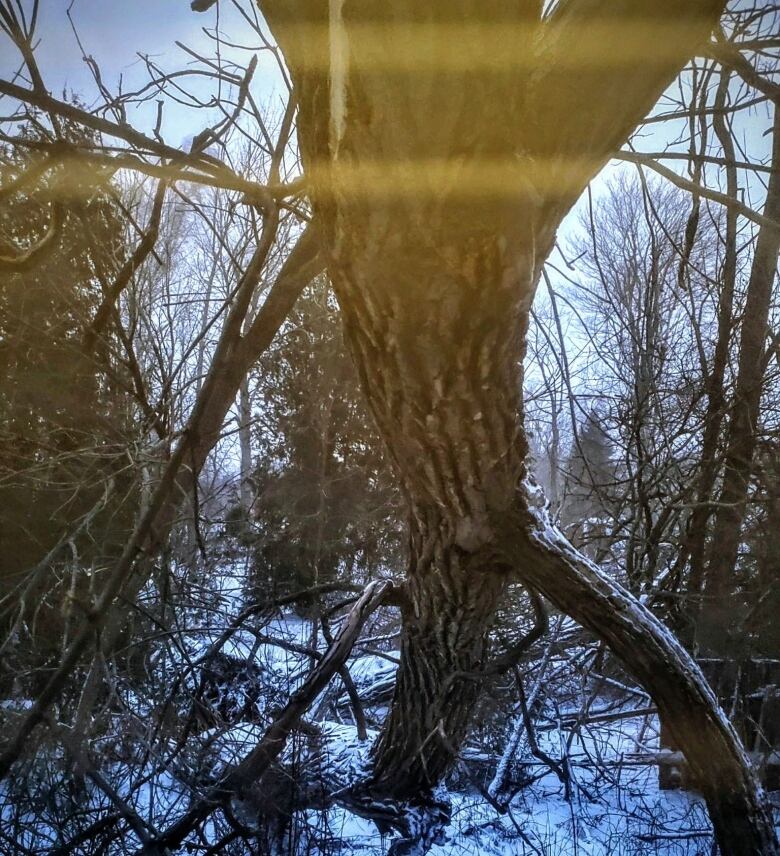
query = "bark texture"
{"x": 444, "y": 142}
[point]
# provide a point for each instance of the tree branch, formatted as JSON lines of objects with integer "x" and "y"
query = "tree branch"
{"x": 692, "y": 187}
{"x": 728, "y": 54}
{"x": 128, "y": 269}
{"x": 586, "y": 99}
{"x": 22, "y": 260}
{"x": 216, "y": 172}
{"x": 243, "y": 776}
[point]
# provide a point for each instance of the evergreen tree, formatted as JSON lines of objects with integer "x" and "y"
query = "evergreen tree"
{"x": 324, "y": 506}
{"x": 590, "y": 473}
{"x": 64, "y": 425}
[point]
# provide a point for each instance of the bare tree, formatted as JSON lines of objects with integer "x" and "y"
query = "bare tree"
{"x": 743, "y": 425}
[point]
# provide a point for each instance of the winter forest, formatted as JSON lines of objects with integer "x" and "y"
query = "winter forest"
{"x": 389, "y": 427}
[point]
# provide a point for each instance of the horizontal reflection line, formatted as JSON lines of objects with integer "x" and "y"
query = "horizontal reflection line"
{"x": 461, "y": 47}
{"x": 439, "y": 177}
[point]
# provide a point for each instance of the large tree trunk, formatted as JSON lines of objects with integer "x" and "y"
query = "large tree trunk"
{"x": 443, "y": 143}
{"x": 459, "y": 451}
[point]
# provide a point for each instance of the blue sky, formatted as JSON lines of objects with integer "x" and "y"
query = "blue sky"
{"x": 115, "y": 31}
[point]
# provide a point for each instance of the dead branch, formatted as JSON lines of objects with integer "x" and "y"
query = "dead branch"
{"x": 243, "y": 776}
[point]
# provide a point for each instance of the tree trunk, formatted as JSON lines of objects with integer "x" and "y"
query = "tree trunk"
{"x": 717, "y": 612}
{"x": 458, "y": 449}
{"x": 439, "y": 175}
{"x": 693, "y": 548}
{"x": 245, "y": 445}
{"x": 446, "y": 396}
{"x": 442, "y": 644}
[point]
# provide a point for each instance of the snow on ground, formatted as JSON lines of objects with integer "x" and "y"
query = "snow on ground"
{"x": 615, "y": 810}
{"x": 630, "y": 815}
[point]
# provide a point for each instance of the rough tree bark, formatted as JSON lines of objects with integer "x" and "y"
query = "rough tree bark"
{"x": 443, "y": 143}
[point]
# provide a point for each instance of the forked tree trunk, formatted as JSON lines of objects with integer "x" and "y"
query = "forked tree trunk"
{"x": 443, "y": 142}
{"x": 459, "y": 449}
